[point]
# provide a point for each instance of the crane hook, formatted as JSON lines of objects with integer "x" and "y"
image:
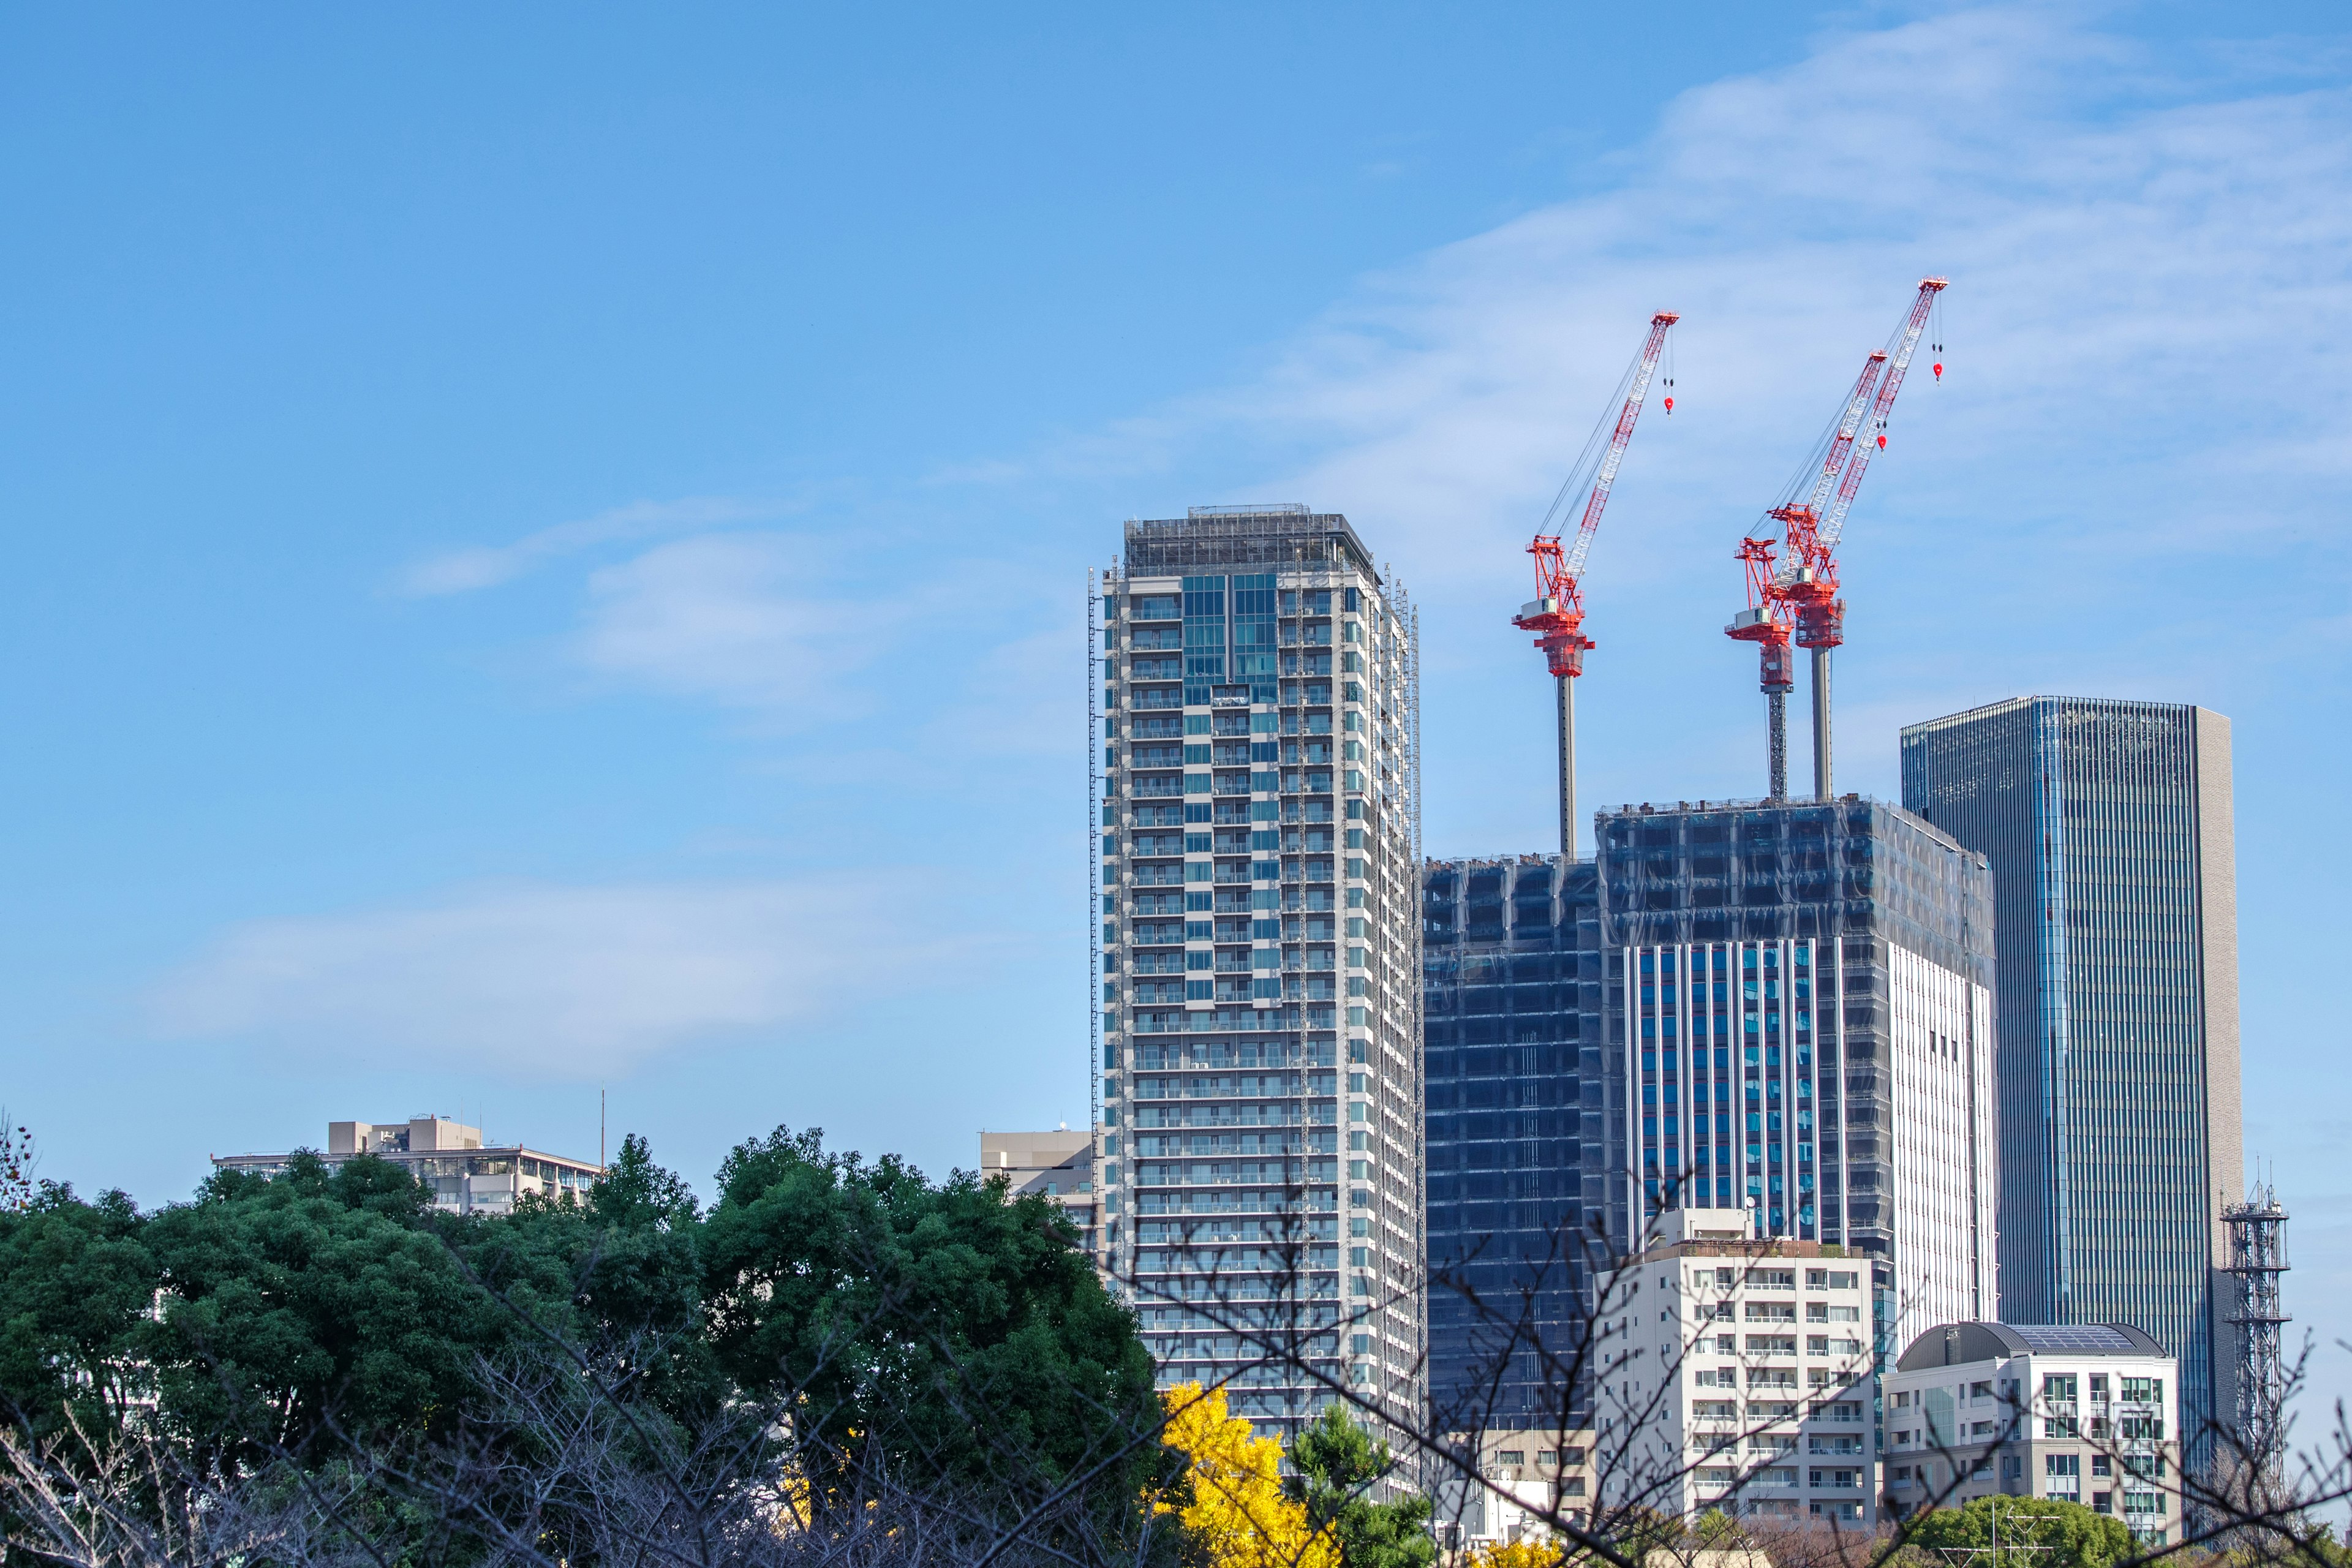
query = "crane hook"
{"x": 1939, "y": 370}
{"x": 1882, "y": 443}
{"x": 1670, "y": 405}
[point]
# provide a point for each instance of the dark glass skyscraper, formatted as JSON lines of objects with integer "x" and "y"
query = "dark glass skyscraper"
{"x": 2108, "y": 826}
{"x": 1519, "y": 1148}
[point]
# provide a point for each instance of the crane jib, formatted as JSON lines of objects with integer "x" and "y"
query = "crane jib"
{"x": 1652, "y": 346}
{"x": 1833, "y": 525}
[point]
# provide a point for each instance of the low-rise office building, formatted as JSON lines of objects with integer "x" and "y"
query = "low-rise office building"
{"x": 1059, "y": 1165}
{"x": 465, "y": 1175}
{"x": 1735, "y": 1374}
{"x": 2087, "y": 1414}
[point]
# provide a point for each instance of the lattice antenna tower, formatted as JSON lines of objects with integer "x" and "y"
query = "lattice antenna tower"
{"x": 2257, "y": 1258}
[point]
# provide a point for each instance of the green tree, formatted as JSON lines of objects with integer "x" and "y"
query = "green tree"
{"x": 310, "y": 1303}
{"x": 635, "y": 1194}
{"x": 2072, "y": 1535}
{"x": 953, "y": 1335}
{"x": 1336, "y": 1465}
{"x": 76, "y": 1283}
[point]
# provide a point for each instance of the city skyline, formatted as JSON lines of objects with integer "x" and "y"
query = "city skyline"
{"x": 508, "y": 596}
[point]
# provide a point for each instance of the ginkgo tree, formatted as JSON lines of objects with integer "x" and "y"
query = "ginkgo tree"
{"x": 1231, "y": 1501}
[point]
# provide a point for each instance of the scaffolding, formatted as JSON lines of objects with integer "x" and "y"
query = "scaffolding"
{"x": 2257, "y": 1258}
{"x": 1287, "y": 534}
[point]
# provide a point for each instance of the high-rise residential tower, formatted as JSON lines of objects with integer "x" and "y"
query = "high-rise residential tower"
{"x": 1260, "y": 959}
{"x": 2108, "y": 826}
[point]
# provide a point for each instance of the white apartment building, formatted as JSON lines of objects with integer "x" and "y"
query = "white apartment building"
{"x": 2087, "y": 1413}
{"x": 449, "y": 1157}
{"x": 1735, "y": 1374}
{"x": 1531, "y": 1477}
{"x": 1259, "y": 957}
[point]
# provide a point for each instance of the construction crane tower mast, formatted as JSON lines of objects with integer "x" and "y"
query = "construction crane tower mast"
{"x": 1556, "y": 614}
{"x": 1792, "y": 581}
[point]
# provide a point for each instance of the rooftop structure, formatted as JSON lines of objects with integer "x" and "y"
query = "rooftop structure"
{"x": 465, "y": 1175}
{"x": 1259, "y": 1001}
{"x": 2083, "y": 1413}
{"x": 2107, "y": 825}
{"x": 1531, "y": 1474}
{"x": 1059, "y": 1165}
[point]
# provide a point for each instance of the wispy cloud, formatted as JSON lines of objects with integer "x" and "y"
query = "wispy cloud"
{"x": 752, "y": 620}
{"x": 544, "y": 981}
{"x": 486, "y": 566}
{"x": 2150, "y": 300}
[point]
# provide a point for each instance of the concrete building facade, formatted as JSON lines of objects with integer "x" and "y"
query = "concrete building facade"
{"x": 1735, "y": 1374}
{"x": 448, "y": 1156}
{"x": 1260, "y": 1063}
{"x": 2088, "y": 1413}
{"x": 2108, "y": 825}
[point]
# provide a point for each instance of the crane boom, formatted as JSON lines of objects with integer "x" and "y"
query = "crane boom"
{"x": 1833, "y": 526}
{"x": 1652, "y": 346}
{"x": 1841, "y": 443}
{"x": 1556, "y": 614}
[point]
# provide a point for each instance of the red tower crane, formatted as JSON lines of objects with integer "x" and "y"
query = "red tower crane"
{"x": 1556, "y": 614}
{"x": 1792, "y": 583}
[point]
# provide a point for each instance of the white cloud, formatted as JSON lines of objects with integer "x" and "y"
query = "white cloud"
{"x": 486, "y": 566}
{"x": 545, "y": 981}
{"x": 730, "y": 618}
{"x": 2150, "y": 297}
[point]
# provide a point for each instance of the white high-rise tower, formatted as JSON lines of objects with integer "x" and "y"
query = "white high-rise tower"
{"x": 1259, "y": 990}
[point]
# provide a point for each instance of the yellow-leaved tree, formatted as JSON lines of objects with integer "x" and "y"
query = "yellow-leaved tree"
{"x": 1518, "y": 1554}
{"x": 1236, "y": 1511}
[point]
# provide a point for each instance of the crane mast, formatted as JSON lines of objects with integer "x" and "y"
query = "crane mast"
{"x": 1556, "y": 614}
{"x": 1792, "y": 583}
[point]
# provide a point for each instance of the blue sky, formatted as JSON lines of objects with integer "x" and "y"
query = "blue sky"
{"x": 547, "y": 547}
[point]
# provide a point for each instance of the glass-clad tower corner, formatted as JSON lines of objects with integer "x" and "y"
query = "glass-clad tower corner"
{"x": 2108, "y": 826}
{"x": 1520, "y": 1154}
{"x": 1260, "y": 956}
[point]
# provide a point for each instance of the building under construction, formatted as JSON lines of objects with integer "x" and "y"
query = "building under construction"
{"x": 1780, "y": 1011}
{"x": 1521, "y": 1158}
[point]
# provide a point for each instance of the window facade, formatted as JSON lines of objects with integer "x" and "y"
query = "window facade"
{"x": 1802, "y": 993}
{"x": 2108, "y": 827}
{"x": 1519, "y": 1153}
{"x": 1261, "y": 1116}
